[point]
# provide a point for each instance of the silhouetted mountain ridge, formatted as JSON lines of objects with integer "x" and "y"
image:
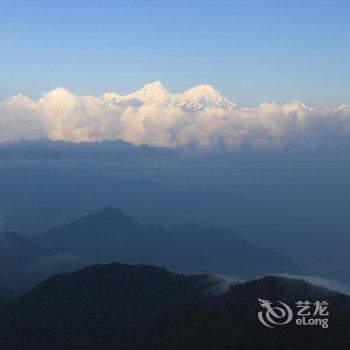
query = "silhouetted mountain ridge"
{"x": 24, "y": 262}
{"x": 70, "y": 309}
{"x": 110, "y": 235}
{"x": 141, "y": 307}
{"x": 230, "y": 321}
{"x": 270, "y": 197}
{"x": 49, "y": 149}
{"x": 16, "y": 249}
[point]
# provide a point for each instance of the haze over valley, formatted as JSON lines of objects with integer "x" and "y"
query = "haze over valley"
{"x": 253, "y": 193}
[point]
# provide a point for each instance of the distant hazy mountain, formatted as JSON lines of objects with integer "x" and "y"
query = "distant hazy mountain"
{"x": 56, "y": 150}
{"x": 271, "y": 198}
{"x": 148, "y": 308}
{"x": 23, "y": 262}
{"x": 220, "y": 250}
{"x": 111, "y": 235}
{"x": 16, "y": 250}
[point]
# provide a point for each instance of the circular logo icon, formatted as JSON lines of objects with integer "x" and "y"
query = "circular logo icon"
{"x": 275, "y": 313}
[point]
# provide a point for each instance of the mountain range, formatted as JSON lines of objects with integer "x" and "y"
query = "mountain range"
{"x": 199, "y": 118}
{"x": 196, "y": 98}
{"x": 109, "y": 235}
{"x": 45, "y": 184}
{"x": 140, "y": 307}
{"x": 16, "y": 250}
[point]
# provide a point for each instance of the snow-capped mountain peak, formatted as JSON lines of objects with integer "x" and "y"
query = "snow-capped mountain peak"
{"x": 154, "y": 92}
{"x": 201, "y": 90}
{"x": 202, "y": 96}
{"x": 196, "y": 98}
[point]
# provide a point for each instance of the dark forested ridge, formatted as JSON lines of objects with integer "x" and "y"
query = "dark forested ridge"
{"x": 119, "y": 306}
{"x": 70, "y": 311}
{"x": 230, "y": 321}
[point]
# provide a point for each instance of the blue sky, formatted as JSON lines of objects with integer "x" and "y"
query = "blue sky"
{"x": 251, "y": 51}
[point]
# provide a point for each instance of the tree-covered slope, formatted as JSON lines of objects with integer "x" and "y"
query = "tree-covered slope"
{"x": 141, "y": 307}
{"x": 76, "y": 310}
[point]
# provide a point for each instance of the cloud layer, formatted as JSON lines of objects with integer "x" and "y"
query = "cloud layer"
{"x": 199, "y": 118}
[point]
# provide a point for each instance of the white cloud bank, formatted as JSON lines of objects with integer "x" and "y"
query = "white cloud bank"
{"x": 198, "y": 118}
